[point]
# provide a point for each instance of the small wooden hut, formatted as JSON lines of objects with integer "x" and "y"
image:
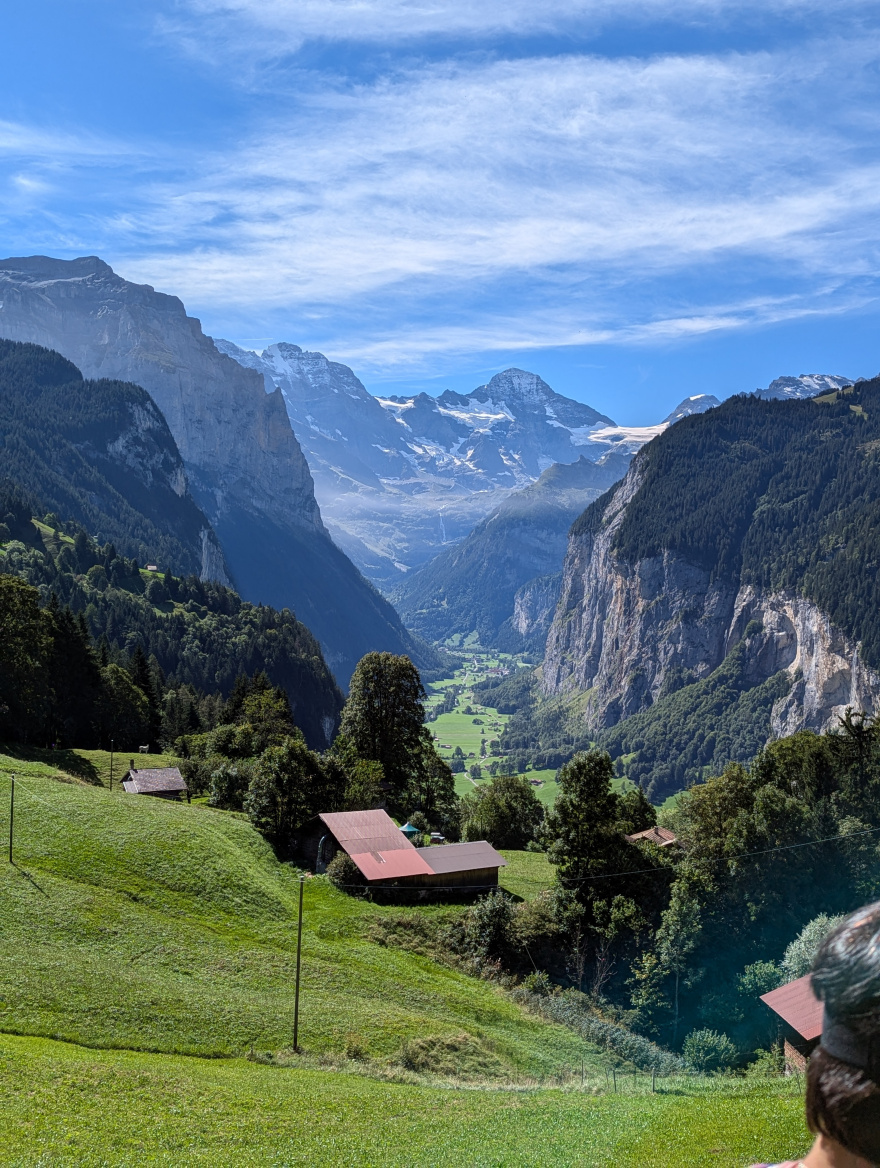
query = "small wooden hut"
{"x": 161, "y": 782}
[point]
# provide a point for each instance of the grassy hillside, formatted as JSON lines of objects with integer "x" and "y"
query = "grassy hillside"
{"x": 67, "y": 1106}
{"x": 131, "y": 922}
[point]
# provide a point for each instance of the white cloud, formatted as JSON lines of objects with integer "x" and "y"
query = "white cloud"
{"x": 277, "y": 26}
{"x": 571, "y": 166}
{"x": 511, "y": 203}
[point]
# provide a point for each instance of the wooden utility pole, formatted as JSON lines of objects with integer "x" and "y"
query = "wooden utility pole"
{"x": 11, "y": 815}
{"x": 299, "y": 937}
{"x": 111, "y": 764}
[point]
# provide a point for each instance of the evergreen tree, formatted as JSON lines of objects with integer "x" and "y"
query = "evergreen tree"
{"x": 142, "y": 676}
{"x": 384, "y": 717}
{"x": 25, "y": 646}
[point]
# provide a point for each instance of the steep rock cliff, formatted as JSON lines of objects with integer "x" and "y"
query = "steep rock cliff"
{"x": 100, "y": 453}
{"x": 756, "y": 525}
{"x": 243, "y": 461}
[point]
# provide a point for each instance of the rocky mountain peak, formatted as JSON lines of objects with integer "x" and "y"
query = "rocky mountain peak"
{"x": 697, "y": 404}
{"x": 806, "y": 385}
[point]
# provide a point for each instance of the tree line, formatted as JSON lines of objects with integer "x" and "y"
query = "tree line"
{"x": 98, "y": 611}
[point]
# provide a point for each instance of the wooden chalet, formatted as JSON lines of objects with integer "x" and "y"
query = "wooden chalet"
{"x": 800, "y": 1013}
{"x": 162, "y": 782}
{"x": 387, "y": 859}
{"x": 661, "y": 836}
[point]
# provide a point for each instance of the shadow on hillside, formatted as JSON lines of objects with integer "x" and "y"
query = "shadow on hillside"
{"x": 63, "y": 760}
{"x": 29, "y": 878}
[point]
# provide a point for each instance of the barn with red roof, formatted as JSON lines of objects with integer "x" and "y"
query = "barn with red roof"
{"x": 386, "y": 858}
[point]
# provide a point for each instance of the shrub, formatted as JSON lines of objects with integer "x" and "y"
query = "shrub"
{"x": 575, "y": 1010}
{"x": 344, "y": 874}
{"x": 707, "y": 1050}
{"x": 355, "y": 1047}
{"x": 489, "y": 926}
{"x": 229, "y": 784}
{"x": 539, "y": 984}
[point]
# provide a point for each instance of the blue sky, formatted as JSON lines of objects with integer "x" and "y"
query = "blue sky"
{"x": 637, "y": 199}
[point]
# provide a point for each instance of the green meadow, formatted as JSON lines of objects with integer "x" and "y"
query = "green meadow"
{"x": 467, "y": 731}
{"x": 147, "y": 965}
{"x": 68, "y": 1106}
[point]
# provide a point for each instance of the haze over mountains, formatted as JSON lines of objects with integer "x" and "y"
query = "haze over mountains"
{"x": 401, "y": 478}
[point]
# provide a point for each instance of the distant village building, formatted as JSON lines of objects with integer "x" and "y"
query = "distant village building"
{"x": 661, "y": 836}
{"x": 386, "y": 858}
{"x": 801, "y": 1015}
{"x": 163, "y": 782}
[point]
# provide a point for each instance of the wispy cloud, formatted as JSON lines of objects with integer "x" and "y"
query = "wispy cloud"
{"x": 482, "y": 203}
{"x": 277, "y": 26}
{"x": 562, "y": 172}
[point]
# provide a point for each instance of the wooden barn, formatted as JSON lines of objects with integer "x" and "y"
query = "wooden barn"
{"x": 386, "y": 858}
{"x": 162, "y": 782}
{"x": 801, "y": 1015}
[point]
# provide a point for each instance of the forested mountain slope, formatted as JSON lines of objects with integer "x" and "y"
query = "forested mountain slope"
{"x": 100, "y": 453}
{"x": 243, "y": 462}
{"x": 502, "y": 581}
{"x": 200, "y": 637}
{"x": 756, "y": 525}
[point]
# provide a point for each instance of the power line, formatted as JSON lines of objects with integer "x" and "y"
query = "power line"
{"x": 737, "y": 856}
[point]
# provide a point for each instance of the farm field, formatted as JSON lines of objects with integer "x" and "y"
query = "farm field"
{"x": 483, "y": 723}
{"x": 527, "y": 873}
{"x": 65, "y": 1105}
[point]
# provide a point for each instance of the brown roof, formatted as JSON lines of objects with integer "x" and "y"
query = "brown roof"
{"x": 661, "y": 836}
{"x": 462, "y": 857}
{"x": 375, "y": 843}
{"x": 149, "y": 782}
{"x": 797, "y": 1005}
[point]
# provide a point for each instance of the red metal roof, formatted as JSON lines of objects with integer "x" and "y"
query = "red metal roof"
{"x": 390, "y": 865}
{"x": 462, "y": 857}
{"x": 365, "y": 831}
{"x": 378, "y": 847}
{"x": 797, "y": 1005}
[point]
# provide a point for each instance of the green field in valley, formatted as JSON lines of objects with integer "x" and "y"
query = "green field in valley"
{"x": 482, "y": 725}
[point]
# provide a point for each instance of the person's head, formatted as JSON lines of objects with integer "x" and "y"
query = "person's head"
{"x": 843, "y": 1095}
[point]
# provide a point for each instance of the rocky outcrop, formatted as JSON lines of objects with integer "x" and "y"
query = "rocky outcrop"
{"x": 623, "y": 632}
{"x": 235, "y": 438}
{"x": 533, "y": 607}
{"x": 244, "y": 464}
{"x": 100, "y": 453}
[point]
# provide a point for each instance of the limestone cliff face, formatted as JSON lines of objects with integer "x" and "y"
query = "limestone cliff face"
{"x": 243, "y": 462}
{"x": 235, "y": 438}
{"x": 620, "y": 629}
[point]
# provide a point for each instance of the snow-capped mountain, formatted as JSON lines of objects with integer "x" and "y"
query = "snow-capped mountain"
{"x": 698, "y": 404}
{"x": 807, "y": 385}
{"x": 399, "y": 478}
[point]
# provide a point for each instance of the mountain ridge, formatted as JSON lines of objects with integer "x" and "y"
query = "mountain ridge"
{"x": 244, "y": 464}
{"x": 756, "y": 524}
